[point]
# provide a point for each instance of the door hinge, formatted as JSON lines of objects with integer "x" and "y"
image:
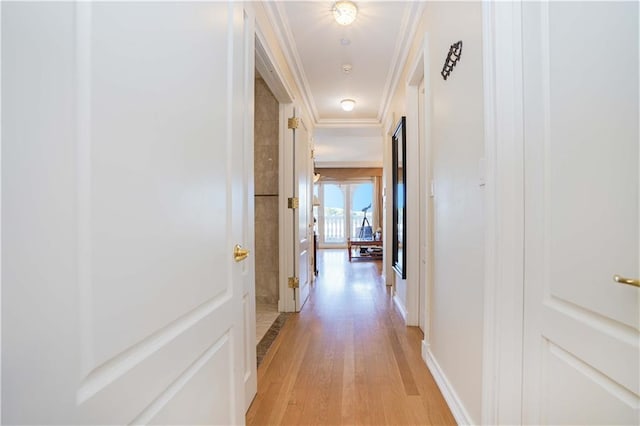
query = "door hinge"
{"x": 293, "y": 202}
{"x": 293, "y": 123}
{"x": 294, "y": 282}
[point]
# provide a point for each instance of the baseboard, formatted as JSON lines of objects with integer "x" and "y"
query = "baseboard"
{"x": 401, "y": 308}
{"x": 450, "y": 396}
{"x": 425, "y": 350}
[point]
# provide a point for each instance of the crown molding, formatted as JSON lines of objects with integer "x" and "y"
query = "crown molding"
{"x": 278, "y": 17}
{"x": 347, "y": 164}
{"x": 388, "y": 126}
{"x": 347, "y": 122}
{"x": 408, "y": 28}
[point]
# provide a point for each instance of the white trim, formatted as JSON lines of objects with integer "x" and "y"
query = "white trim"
{"x": 412, "y": 208}
{"x": 416, "y": 71}
{"x": 408, "y": 28}
{"x": 427, "y": 165}
{"x": 278, "y": 17}
{"x": 388, "y": 126}
{"x": 400, "y": 306}
{"x": 348, "y": 123}
{"x": 1, "y": 283}
{"x": 415, "y": 76}
{"x": 504, "y": 244}
{"x": 269, "y": 70}
{"x": 420, "y": 75}
{"x": 285, "y": 216}
{"x": 341, "y": 164}
{"x": 460, "y": 414}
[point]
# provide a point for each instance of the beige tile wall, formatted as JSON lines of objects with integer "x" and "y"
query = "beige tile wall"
{"x": 266, "y": 187}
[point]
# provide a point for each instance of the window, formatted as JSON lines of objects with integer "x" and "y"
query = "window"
{"x": 346, "y": 211}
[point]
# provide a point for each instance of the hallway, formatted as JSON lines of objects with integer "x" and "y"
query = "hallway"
{"x": 347, "y": 358}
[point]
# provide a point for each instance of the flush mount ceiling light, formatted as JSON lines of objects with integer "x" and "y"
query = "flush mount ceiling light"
{"x": 347, "y": 104}
{"x": 345, "y": 12}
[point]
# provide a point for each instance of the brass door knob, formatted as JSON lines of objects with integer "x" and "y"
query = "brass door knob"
{"x": 628, "y": 281}
{"x": 239, "y": 253}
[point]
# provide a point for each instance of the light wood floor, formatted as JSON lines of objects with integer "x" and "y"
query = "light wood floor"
{"x": 347, "y": 358}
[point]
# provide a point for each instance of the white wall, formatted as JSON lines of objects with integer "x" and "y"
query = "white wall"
{"x": 456, "y": 307}
{"x": 457, "y": 140}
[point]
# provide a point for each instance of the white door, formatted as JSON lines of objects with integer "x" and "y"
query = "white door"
{"x": 581, "y": 358}
{"x": 122, "y": 199}
{"x": 302, "y": 229}
{"x": 248, "y": 271}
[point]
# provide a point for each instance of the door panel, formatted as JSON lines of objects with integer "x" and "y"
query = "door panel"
{"x": 582, "y": 213}
{"x": 121, "y": 300}
{"x": 160, "y": 187}
{"x": 602, "y": 401}
{"x": 303, "y": 230}
{"x": 202, "y": 378}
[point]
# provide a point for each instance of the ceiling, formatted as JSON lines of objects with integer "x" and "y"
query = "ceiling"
{"x": 376, "y": 47}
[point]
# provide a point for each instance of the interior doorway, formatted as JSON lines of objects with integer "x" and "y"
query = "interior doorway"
{"x": 266, "y": 190}
{"x": 348, "y": 209}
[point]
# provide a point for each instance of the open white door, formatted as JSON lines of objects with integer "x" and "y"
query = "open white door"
{"x": 303, "y": 225}
{"x": 122, "y": 199}
{"x": 250, "y": 374}
{"x": 297, "y": 235}
{"x": 581, "y": 357}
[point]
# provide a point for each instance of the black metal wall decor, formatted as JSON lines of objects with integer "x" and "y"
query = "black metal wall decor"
{"x": 452, "y": 59}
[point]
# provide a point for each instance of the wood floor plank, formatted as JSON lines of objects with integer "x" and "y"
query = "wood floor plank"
{"x": 347, "y": 358}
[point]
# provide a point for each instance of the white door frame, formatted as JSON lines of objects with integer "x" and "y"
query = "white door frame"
{"x": 286, "y": 302}
{"x": 416, "y": 284}
{"x": 272, "y": 74}
{"x": 504, "y": 241}
{"x": 425, "y": 218}
{"x": 1, "y": 283}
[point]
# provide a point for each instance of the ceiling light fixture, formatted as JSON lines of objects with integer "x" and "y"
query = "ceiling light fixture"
{"x": 345, "y": 12}
{"x": 348, "y": 104}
